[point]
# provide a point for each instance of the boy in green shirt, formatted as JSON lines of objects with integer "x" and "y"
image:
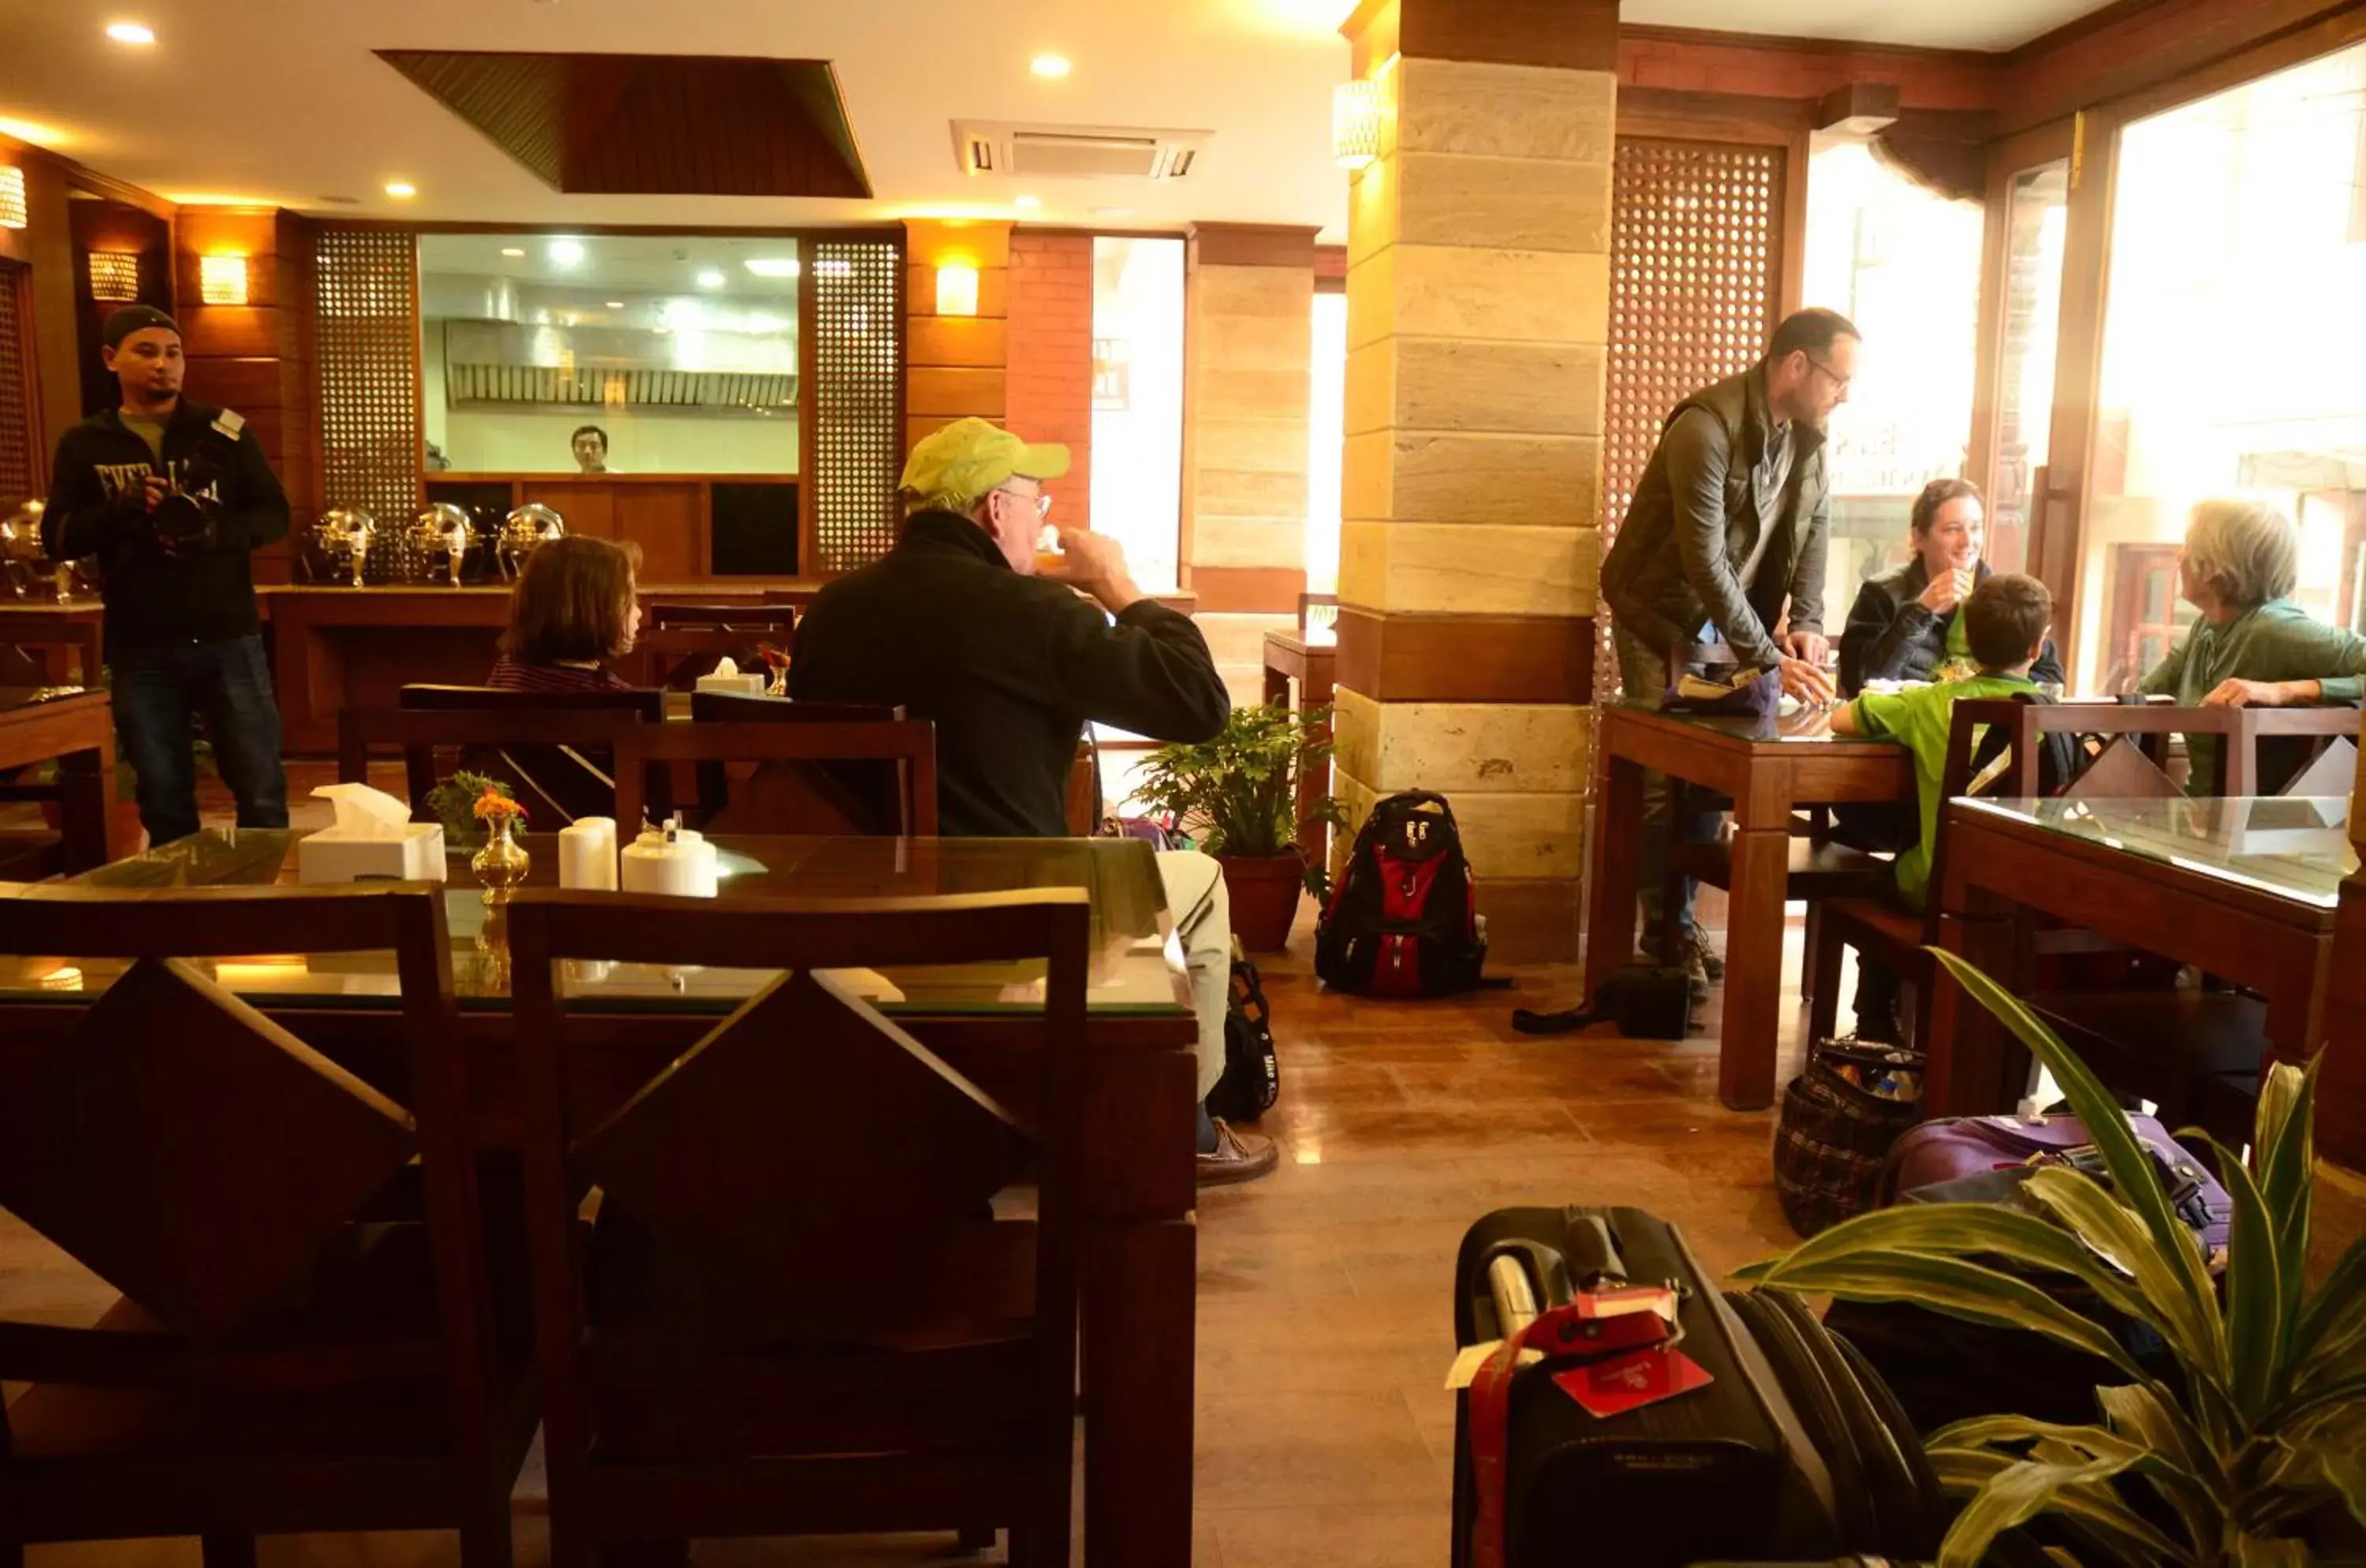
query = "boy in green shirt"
{"x": 2005, "y": 622}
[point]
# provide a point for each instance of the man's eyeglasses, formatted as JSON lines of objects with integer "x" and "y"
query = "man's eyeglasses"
{"x": 1043, "y": 504}
{"x": 1838, "y": 379}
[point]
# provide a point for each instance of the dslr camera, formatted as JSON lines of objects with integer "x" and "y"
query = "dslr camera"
{"x": 190, "y": 516}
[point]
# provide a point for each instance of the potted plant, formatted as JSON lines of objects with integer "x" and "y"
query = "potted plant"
{"x": 2260, "y": 1435}
{"x": 1237, "y": 794}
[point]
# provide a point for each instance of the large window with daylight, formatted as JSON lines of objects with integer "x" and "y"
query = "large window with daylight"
{"x": 2037, "y": 214}
{"x": 640, "y": 354}
{"x": 2235, "y": 328}
{"x": 1137, "y": 476}
{"x": 1903, "y": 263}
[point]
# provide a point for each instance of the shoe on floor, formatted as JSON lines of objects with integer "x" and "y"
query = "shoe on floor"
{"x": 1691, "y": 956}
{"x": 1711, "y": 963}
{"x": 1238, "y": 1156}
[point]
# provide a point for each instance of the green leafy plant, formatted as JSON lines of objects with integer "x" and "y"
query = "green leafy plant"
{"x": 1238, "y": 792}
{"x": 2263, "y": 1425}
{"x": 454, "y": 801}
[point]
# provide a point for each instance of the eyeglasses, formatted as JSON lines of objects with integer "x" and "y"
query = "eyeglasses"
{"x": 1043, "y": 504}
{"x": 1838, "y": 379}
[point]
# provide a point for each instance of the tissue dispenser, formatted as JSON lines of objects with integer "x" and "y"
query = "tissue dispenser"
{"x": 341, "y": 855}
{"x": 727, "y": 676}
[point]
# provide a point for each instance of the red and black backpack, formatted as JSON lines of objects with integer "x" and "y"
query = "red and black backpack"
{"x": 1402, "y": 921}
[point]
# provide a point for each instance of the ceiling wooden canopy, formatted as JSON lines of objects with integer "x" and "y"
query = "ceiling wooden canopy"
{"x": 653, "y": 124}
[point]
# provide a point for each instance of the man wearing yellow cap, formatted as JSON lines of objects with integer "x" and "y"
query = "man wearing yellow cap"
{"x": 961, "y": 625}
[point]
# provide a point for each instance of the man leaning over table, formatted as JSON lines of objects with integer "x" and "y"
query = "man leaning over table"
{"x": 173, "y": 499}
{"x": 1727, "y": 525}
{"x": 960, "y": 625}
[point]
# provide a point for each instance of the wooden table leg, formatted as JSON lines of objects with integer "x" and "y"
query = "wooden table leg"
{"x": 1753, "y": 967}
{"x": 86, "y": 786}
{"x": 1970, "y": 1050}
{"x": 1276, "y": 687}
{"x": 1617, "y": 867}
{"x": 1140, "y": 1297}
{"x": 2296, "y": 1021}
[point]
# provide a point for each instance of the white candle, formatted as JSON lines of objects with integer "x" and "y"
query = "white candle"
{"x": 587, "y": 854}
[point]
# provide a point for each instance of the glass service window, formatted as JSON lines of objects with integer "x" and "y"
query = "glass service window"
{"x": 638, "y": 354}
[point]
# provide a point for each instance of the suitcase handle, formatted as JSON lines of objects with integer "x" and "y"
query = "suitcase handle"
{"x": 1592, "y": 1250}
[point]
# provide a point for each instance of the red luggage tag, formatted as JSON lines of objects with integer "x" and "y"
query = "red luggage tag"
{"x": 1615, "y": 1387}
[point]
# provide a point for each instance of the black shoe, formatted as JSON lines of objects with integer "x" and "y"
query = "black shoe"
{"x": 1690, "y": 955}
{"x": 1711, "y": 964}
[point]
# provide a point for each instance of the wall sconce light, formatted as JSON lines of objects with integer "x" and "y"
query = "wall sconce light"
{"x": 12, "y": 198}
{"x": 1355, "y": 123}
{"x": 956, "y": 290}
{"x": 221, "y": 280}
{"x": 114, "y": 276}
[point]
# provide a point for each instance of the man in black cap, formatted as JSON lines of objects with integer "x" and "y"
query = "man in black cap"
{"x": 172, "y": 499}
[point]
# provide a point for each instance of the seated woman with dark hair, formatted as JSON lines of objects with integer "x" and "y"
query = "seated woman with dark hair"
{"x": 1904, "y": 624}
{"x": 575, "y": 604}
{"x": 2252, "y": 646}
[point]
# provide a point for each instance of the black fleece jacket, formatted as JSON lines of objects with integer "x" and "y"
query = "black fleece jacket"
{"x": 202, "y": 593}
{"x": 1010, "y": 668}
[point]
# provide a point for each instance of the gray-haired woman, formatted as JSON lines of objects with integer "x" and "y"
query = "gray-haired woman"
{"x": 2252, "y": 646}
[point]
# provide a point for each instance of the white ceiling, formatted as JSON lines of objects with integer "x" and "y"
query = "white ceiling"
{"x": 281, "y": 101}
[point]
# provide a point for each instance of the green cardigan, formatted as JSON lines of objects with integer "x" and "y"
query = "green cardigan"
{"x": 2275, "y": 641}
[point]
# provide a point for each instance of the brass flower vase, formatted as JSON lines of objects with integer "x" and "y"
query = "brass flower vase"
{"x": 500, "y": 866}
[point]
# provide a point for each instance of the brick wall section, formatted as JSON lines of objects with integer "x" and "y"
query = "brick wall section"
{"x": 1050, "y": 384}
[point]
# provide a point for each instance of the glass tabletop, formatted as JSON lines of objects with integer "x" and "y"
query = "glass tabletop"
{"x": 1136, "y": 965}
{"x": 2293, "y": 847}
{"x": 1812, "y": 726}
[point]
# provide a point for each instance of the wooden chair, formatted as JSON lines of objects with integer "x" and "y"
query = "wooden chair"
{"x": 281, "y": 1360}
{"x": 839, "y": 791}
{"x": 513, "y": 738}
{"x": 798, "y": 1313}
{"x": 798, "y": 797}
{"x": 568, "y": 781}
{"x": 686, "y": 641}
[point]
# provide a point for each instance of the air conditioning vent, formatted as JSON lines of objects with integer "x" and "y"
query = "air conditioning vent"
{"x": 1075, "y": 151}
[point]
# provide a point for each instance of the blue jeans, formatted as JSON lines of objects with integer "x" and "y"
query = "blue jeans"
{"x": 1645, "y": 675}
{"x": 160, "y": 692}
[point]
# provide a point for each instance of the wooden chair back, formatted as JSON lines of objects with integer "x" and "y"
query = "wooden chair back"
{"x": 682, "y": 642}
{"x": 221, "y": 1174}
{"x": 2241, "y": 731}
{"x": 796, "y": 797}
{"x": 798, "y": 1312}
{"x": 735, "y": 708}
{"x": 557, "y": 761}
{"x": 769, "y": 621}
{"x": 557, "y": 784}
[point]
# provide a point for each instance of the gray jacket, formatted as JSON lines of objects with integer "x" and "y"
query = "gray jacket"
{"x": 1699, "y": 512}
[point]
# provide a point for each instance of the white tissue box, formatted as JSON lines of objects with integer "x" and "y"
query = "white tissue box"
{"x": 750, "y": 682}
{"x": 332, "y": 856}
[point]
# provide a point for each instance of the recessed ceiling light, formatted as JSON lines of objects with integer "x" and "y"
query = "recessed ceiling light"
{"x": 566, "y": 253}
{"x": 130, "y": 32}
{"x": 1029, "y": 202}
{"x": 512, "y": 251}
{"x": 1050, "y": 65}
{"x": 615, "y": 304}
{"x": 773, "y": 267}
{"x": 401, "y": 190}
{"x": 708, "y": 278}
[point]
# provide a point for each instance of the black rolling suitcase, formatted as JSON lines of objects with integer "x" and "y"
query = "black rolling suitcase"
{"x": 1791, "y": 1449}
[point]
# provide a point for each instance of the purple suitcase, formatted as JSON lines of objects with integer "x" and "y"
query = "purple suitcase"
{"x": 1959, "y": 1147}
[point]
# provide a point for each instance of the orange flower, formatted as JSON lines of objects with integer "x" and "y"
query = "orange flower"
{"x": 493, "y": 805}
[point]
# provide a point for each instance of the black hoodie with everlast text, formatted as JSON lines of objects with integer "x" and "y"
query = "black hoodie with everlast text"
{"x": 203, "y": 591}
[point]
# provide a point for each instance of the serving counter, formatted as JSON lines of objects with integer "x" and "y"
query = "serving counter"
{"x": 336, "y": 647}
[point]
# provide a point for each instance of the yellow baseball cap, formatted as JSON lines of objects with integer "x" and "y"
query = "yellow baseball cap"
{"x": 971, "y": 457}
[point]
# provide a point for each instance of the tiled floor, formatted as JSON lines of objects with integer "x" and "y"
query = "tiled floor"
{"x": 1324, "y": 1434}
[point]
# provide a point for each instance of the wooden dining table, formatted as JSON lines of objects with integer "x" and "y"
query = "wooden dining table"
{"x": 2242, "y": 887}
{"x": 1140, "y": 1272}
{"x": 75, "y": 730}
{"x": 1767, "y": 767}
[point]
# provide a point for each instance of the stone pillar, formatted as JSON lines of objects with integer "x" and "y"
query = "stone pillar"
{"x": 1478, "y": 309}
{"x": 1248, "y": 356}
{"x": 954, "y": 366}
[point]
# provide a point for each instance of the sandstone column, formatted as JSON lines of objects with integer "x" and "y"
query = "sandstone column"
{"x": 1247, "y": 352}
{"x": 1478, "y": 308}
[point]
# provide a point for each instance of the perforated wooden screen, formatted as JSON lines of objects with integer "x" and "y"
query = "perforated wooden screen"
{"x": 1696, "y": 264}
{"x": 18, "y": 459}
{"x": 368, "y": 368}
{"x": 857, "y": 447}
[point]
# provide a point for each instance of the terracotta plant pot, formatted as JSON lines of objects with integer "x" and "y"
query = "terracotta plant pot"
{"x": 1263, "y": 891}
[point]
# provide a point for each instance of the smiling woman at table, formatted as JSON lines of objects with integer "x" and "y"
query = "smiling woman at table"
{"x": 2253, "y": 647}
{"x": 1904, "y": 625}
